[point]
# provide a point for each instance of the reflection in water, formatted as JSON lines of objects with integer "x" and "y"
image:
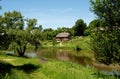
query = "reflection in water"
{"x": 60, "y": 55}
{"x": 72, "y": 56}
{"x": 64, "y": 55}
{"x": 85, "y": 61}
{"x": 31, "y": 54}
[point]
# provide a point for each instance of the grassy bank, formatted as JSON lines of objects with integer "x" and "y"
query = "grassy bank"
{"x": 12, "y": 67}
{"x": 82, "y": 42}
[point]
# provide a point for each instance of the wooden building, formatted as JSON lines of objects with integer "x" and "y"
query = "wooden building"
{"x": 64, "y": 36}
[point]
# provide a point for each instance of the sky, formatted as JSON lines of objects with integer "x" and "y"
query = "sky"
{"x": 51, "y": 13}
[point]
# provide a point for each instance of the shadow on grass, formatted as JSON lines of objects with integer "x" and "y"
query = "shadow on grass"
{"x": 28, "y": 68}
{"x": 6, "y": 68}
{"x": 13, "y": 55}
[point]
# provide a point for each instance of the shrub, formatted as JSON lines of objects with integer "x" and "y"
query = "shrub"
{"x": 106, "y": 46}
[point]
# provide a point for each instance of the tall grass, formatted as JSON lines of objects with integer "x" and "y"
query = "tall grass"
{"x": 68, "y": 70}
{"x": 25, "y": 68}
{"x": 15, "y": 74}
{"x": 81, "y": 42}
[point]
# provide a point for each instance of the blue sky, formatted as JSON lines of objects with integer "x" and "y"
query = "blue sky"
{"x": 51, "y": 13}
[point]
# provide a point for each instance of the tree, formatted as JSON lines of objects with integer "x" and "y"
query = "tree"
{"x": 10, "y": 20}
{"x": 19, "y": 41}
{"x": 48, "y": 34}
{"x": 13, "y": 24}
{"x": 106, "y": 44}
{"x": 34, "y": 32}
{"x": 79, "y": 27}
{"x": 13, "y": 20}
{"x": 13, "y": 32}
{"x": 31, "y": 23}
{"x": 108, "y": 11}
{"x": 93, "y": 25}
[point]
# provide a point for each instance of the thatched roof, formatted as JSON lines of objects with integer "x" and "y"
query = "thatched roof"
{"x": 63, "y": 34}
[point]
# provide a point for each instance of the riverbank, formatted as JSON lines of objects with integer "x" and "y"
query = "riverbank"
{"x": 13, "y": 67}
{"x": 80, "y": 42}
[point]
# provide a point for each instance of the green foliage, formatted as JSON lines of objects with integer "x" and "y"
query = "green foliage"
{"x": 94, "y": 25}
{"x": 13, "y": 46}
{"x": 30, "y": 68}
{"x": 79, "y": 27}
{"x": 19, "y": 40}
{"x": 15, "y": 37}
{"x": 13, "y": 20}
{"x": 4, "y": 41}
{"x": 106, "y": 43}
{"x": 31, "y": 23}
{"x": 65, "y": 29}
{"x": 106, "y": 46}
{"x": 48, "y": 34}
{"x": 78, "y": 48}
{"x": 108, "y": 11}
{"x": 9, "y": 22}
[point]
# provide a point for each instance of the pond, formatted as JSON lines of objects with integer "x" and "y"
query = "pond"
{"x": 65, "y": 55}
{"x": 72, "y": 56}
{"x": 76, "y": 57}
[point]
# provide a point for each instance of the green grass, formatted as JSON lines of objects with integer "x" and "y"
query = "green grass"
{"x": 83, "y": 43}
{"x": 64, "y": 70}
{"x": 15, "y": 74}
{"x": 13, "y": 67}
{"x": 31, "y": 68}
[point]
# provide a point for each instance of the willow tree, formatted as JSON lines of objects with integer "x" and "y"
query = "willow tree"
{"x": 106, "y": 44}
{"x": 14, "y": 34}
{"x": 13, "y": 23}
{"x": 9, "y": 21}
{"x": 34, "y": 32}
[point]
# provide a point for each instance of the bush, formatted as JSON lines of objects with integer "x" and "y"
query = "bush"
{"x": 78, "y": 48}
{"x": 106, "y": 46}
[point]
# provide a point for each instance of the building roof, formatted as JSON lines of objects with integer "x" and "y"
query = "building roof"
{"x": 63, "y": 34}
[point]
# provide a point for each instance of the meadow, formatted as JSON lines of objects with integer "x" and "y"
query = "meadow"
{"x": 15, "y": 67}
{"x": 12, "y": 67}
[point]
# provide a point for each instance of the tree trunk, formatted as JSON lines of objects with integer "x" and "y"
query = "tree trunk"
{"x": 21, "y": 50}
